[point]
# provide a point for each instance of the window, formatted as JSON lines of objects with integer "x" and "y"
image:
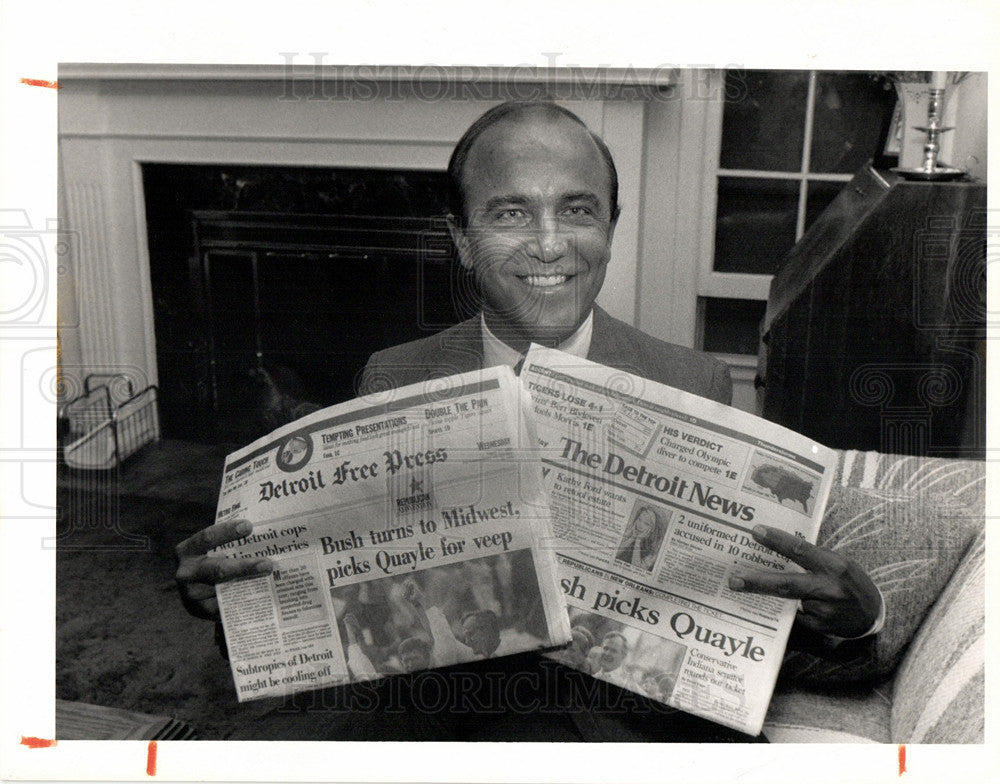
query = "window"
{"x": 787, "y": 143}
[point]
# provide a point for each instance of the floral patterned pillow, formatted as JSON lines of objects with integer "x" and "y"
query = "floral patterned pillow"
{"x": 908, "y": 521}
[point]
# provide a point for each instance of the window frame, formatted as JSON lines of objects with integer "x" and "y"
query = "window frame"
{"x": 739, "y": 285}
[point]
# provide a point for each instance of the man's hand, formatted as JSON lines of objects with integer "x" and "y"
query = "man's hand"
{"x": 413, "y": 594}
{"x": 198, "y": 572}
{"x": 838, "y": 597}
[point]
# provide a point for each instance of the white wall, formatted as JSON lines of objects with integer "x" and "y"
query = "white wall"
{"x": 970, "y": 137}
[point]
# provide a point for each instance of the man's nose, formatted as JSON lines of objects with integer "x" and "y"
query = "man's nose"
{"x": 550, "y": 243}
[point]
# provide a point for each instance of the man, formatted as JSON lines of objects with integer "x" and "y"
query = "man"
{"x": 614, "y": 649}
{"x": 534, "y": 202}
{"x": 414, "y": 654}
{"x": 481, "y": 634}
{"x": 576, "y": 653}
{"x": 657, "y": 684}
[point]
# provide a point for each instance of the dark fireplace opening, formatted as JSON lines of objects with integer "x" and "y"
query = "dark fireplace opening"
{"x": 277, "y": 283}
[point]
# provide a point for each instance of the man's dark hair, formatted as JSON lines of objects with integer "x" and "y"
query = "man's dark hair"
{"x": 414, "y": 645}
{"x": 488, "y": 620}
{"x": 587, "y": 634}
{"x": 620, "y": 636}
{"x": 487, "y": 616}
{"x": 516, "y": 110}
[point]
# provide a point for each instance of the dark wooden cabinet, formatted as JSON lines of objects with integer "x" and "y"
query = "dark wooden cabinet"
{"x": 874, "y": 335}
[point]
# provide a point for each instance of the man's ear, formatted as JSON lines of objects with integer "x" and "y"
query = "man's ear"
{"x": 461, "y": 241}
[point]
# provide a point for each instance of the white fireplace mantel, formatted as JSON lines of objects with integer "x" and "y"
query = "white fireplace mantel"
{"x": 114, "y": 118}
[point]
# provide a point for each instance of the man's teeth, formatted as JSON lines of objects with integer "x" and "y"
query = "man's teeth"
{"x": 544, "y": 280}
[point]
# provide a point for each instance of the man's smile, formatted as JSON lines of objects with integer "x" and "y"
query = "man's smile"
{"x": 544, "y": 281}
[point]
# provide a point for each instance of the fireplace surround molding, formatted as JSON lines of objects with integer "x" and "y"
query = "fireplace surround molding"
{"x": 114, "y": 118}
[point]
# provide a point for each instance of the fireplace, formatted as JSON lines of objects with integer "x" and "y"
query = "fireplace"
{"x": 269, "y": 277}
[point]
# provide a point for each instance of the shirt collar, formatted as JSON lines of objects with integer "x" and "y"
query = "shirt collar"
{"x": 496, "y": 352}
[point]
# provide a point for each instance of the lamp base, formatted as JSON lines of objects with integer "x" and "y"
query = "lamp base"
{"x": 939, "y": 174}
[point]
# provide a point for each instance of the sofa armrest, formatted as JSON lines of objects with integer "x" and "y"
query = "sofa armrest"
{"x": 939, "y": 691}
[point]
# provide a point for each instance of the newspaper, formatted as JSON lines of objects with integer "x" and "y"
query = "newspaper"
{"x": 654, "y": 496}
{"x": 407, "y": 529}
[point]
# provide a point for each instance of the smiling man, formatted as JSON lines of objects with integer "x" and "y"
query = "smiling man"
{"x": 614, "y": 649}
{"x": 535, "y": 222}
{"x": 534, "y": 204}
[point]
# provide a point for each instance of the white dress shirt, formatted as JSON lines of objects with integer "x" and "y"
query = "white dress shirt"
{"x": 496, "y": 352}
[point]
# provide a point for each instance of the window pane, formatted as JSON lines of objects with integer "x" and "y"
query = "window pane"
{"x": 818, "y": 197}
{"x": 763, "y": 120}
{"x": 754, "y": 224}
{"x": 731, "y": 325}
{"x": 851, "y": 115}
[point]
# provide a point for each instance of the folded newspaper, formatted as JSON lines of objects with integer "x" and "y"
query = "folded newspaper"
{"x": 654, "y": 496}
{"x": 409, "y": 530}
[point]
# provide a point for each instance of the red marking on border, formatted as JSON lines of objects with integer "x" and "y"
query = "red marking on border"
{"x": 39, "y": 83}
{"x": 151, "y": 759}
{"x": 902, "y": 758}
{"x": 37, "y": 743}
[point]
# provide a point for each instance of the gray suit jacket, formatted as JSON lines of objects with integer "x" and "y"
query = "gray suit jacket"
{"x": 459, "y": 349}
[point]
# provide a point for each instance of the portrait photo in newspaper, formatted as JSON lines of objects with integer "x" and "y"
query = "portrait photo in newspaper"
{"x": 641, "y": 541}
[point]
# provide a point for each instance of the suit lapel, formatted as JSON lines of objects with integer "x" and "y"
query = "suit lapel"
{"x": 606, "y": 344}
{"x": 460, "y": 348}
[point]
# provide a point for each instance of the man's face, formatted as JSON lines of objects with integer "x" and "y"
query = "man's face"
{"x": 479, "y": 635}
{"x": 612, "y": 653}
{"x": 538, "y": 226}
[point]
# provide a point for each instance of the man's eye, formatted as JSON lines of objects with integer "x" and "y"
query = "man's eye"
{"x": 512, "y": 215}
{"x": 578, "y": 212}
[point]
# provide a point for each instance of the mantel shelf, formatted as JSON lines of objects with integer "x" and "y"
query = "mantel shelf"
{"x": 660, "y": 78}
